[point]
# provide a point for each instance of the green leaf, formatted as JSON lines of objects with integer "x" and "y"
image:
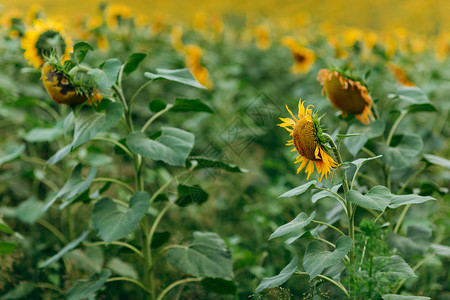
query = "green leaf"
{"x": 344, "y": 136}
{"x": 219, "y": 286}
{"x": 282, "y": 277}
{"x": 377, "y": 198}
{"x": 301, "y": 220}
{"x": 80, "y": 51}
{"x": 400, "y": 297}
{"x": 300, "y": 189}
{"x": 324, "y": 194}
{"x": 399, "y": 200}
{"x": 205, "y": 256}
{"x": 188, "y": 195}
{"x": 180, "y": 75}
{"x": 441, "y": 250}
{"x": 7, "y": 247}
{"x": 5, "y": 228}
{"x": 64, "y": 250}
{"x": 365, "y": 132}
{"x": 12, "y": 153}
{"x": 361, "y": 161}
{"x": 30, "y": 210}
{"x": 157, "y": 105}
{"x": 436, "y": 160}
{"x": 185, "y": 105}
{"x": 403, "y": 153}
{"x": 417, "y": 240}
{"x": 122, "y": 268}
{"x": 205, "y": 162}
{"x": 19, "y": 292}
{"x": 45, "y": 134}
{"x": 100, "y": 79}
{"x": 133, "y": 62}
{"x": 413, "y": 99}
{"x": 89, "y": 260}
{"x": 172, "y": 147}
{"x": 316, "y": 258}
{"x": 87, "y": 288}
{"x": 112, "y": 68}
{"x": 393, "y": 267}
{"x": 74, "y": 187}
{"x": 113, "y": 222}
{"x": 87, "y": 125}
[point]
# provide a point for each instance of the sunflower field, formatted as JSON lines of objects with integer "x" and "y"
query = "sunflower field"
{"x": 232, "y": 150}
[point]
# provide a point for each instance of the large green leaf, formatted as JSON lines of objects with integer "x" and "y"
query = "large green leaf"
{"x": 74, "y": 187}
{"x": 122, "y": 268}
{"x": 316, "y": 258}
{"x": 325, "y": 194}
{"x": 441, "y": 250}
{"x": 436, "y": 160}
{"x": 133, "y": 62}
{"x": 403, "y": 152}
{"x": 301, "y": 220}
{"x": 64, "y": 250}
{"x": 205, "y": 256}
{"x": 112, "y": 68}
{"x": 188, "y": 195}
{"x": 377, "y": 198}
{"x": 86, "y": 288}
{"x": 282, "y": 277}
{"x": 186, "y": 105}
{"x": 354, "y": 144}
{"x": 45, "y": 134}
{"x": 400, "y": 297}
{"x": 113, "y": 221}
{"x": 413, "y": 99}
{"x": 30, "y": 210}
{"x": 80, "y": 51}
{"x": 399, "y": 200}
{"x": 300, "y": 189}
{"x": 87, "y": 124}
{"x": 180, "y": 75}
{"x": 172, "y": 147}
{"x": 393, "y": 267}
{"x": 417, "y": 240}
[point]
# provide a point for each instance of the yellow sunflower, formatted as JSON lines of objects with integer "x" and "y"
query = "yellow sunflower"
{"x": 347, "y": 94}
{"x": 116, "y": 14}
{"x": 308, "y": 141}
{"x": 193, "y": 62}
{"x": 303, "y": 58}
{"x": 43, "y": 39}
{"x": 262, "y": 34}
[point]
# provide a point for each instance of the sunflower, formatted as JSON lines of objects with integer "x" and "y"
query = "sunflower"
{"x": 347, "y": 94}
{"x": 262, "y": 34}
{"x": 303, "y": 58}
{"x": 200, "y": 73}
{"x": 400, "y": 74}
{"x": 117, "y": 14}
{"x": 43, "y": 39}
{"x": 308, "y": 141}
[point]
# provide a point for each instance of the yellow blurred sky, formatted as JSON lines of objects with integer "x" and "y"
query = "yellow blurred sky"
{"x": 423, "y": 16}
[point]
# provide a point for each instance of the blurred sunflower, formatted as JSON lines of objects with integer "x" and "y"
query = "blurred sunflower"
{"x": 176, "y": 38}
{"x": 116, "y": 14}
{"x": 262, "y": 34}
{"x": 43, "y": 39}
{"x": 400, "y": 74}
{"x": 347, "y": 94}
{"x": 193, "y": 62}
{"x": 308, "y": 141}
{"x": 303, "y": 58}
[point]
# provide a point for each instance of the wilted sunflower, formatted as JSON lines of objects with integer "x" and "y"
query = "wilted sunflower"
{"x": 347, "y": 94}
{"x": 193, "y": 62}
{"x": 308, "y": 141}
{"x": 303, "y": 58}
{"x": 43, "y": 39}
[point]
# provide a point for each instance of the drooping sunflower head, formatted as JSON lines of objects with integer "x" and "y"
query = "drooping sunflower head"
{"x": 43, "y": 39}
{"x": 304, "y": 58}
{"x": 193, "y": 62}
{"x": 308, "y": 141}
{"x": 63, "y": 88}
{"x": 400, "y": 75}
{"x": 347, "y": 94}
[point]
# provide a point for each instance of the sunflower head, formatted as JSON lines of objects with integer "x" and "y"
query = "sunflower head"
{"x": 303, "y": 58}
{"x": 308, "y": 141}
{"x": 262, "y": 34}
{"x": 63, "y": 88}
{"x": 193, "y": 62}
{"x": 43, "y": 39}
{"x": 347, "y": 94}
